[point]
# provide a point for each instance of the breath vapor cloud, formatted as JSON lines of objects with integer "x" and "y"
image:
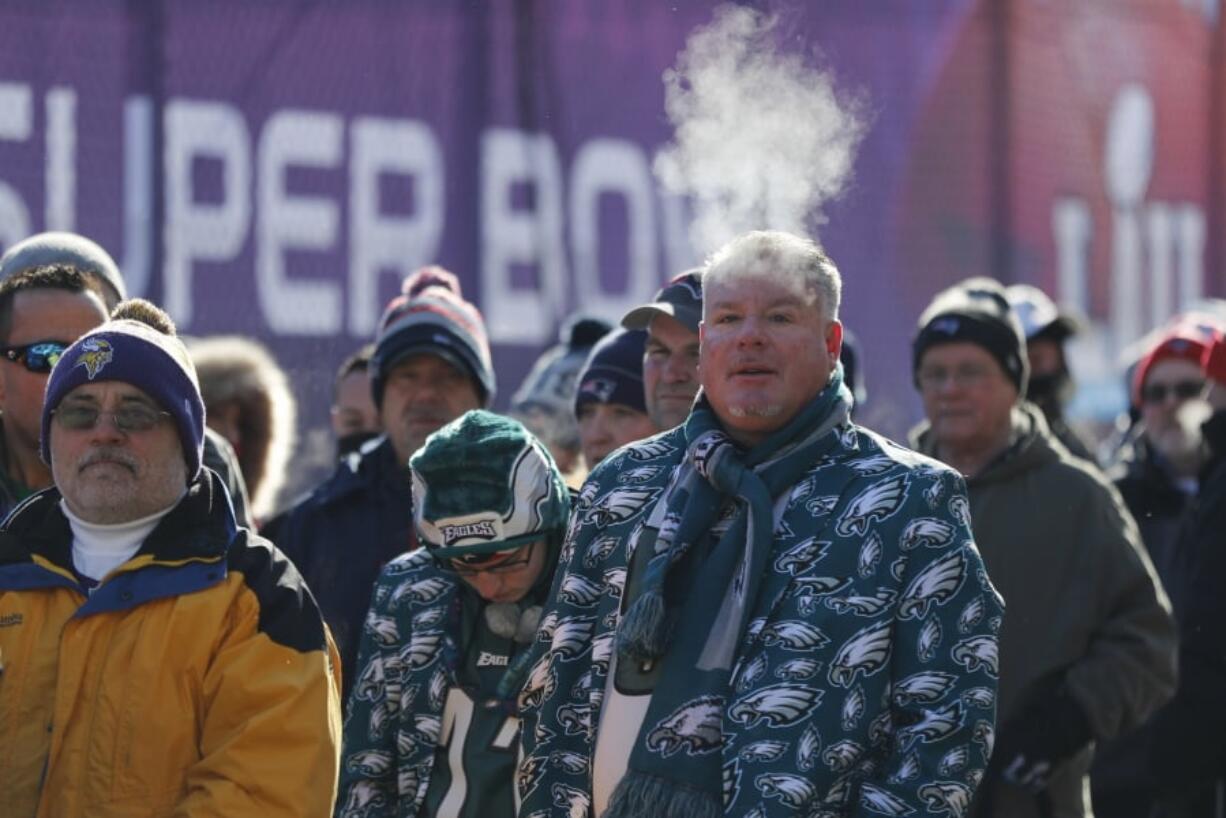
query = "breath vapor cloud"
{"x": 762, "y": 139}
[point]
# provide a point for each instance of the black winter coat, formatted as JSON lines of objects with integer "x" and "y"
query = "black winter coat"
{"x": 342, "y": 533}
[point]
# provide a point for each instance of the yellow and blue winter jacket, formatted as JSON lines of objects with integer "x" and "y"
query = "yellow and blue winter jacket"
{"x": 196, "y": 679}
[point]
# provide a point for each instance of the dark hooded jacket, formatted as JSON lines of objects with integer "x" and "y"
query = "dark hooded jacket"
{"x": 1083, "y": 601}
{"x": 342, "y": 533}
{"x": 1188, "y": 754}
{"x": 1120, "y": 777}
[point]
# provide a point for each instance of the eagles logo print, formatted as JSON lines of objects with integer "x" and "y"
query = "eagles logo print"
{"x": 866, "y": 631}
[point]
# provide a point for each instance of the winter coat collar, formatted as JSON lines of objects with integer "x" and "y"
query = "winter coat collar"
{"x": 185, "y": 553}
{"x": 1033, "y": 446}
{"x": 373, "y": 467}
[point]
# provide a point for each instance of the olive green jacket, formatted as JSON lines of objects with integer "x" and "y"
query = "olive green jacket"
{"x": 1082, "y": 598}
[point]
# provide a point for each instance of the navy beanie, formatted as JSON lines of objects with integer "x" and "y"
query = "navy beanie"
{"x": 136, "y": 354}
{"x": 614, "y": 371}
{"x": 431, "y": 316}
{"x": 975, "y": 311}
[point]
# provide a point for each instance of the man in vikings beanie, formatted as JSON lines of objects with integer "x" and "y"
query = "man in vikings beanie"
{"x": 144, "y": 628}
{"x": 458, "y": 619}
{"x": 609, "y": 402}
{"x": 431, "y": 364}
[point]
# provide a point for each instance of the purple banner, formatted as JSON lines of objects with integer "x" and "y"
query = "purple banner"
{"x": 274, "y": 168}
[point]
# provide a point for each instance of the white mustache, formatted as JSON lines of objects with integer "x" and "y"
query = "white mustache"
{"x": 108, "y": 456}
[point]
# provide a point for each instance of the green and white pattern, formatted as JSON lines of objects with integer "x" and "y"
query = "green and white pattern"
{"x": 865, "y": 682}
{"x": 414, "y": 705}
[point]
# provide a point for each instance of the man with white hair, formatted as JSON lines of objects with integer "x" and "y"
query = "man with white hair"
{"x": 155, "y": 657}
{"x": 767, "y": 610}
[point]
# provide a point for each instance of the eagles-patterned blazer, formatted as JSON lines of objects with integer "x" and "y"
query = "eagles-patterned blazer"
{"x": 866, "y": 680}
{"x": 405, "y": 669}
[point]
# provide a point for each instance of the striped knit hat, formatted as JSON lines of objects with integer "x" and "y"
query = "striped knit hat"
{"x": 430, "y": 315}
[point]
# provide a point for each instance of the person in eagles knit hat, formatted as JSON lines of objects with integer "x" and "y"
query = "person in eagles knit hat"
{"x": 431, "y": 364}
{"x": 145, "y": 629}
{"x": 490, "y": 511}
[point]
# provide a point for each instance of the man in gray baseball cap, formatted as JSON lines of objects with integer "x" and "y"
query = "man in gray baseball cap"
{"x": 670, "y": 360}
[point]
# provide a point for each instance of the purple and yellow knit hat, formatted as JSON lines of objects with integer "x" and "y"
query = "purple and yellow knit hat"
{"x": 137, "y": 354}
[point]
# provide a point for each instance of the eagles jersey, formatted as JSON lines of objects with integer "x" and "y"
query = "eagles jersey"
{"x": 474, "y": 769}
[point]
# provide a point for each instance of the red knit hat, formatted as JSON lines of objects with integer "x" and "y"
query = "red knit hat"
{"x": 1187, "y": 341}
{"x": 1214, "y": 361}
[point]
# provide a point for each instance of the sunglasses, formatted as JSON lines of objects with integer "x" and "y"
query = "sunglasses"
{"x": 471, "y": 569}
{"x": 128, "y": 419}
{"x": 38, "y": 357}
{"x": 1184, "y": 390}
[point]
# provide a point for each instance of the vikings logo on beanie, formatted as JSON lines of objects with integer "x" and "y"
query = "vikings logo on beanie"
{"x": 975, "y": 311}
{"x": 483, "y": 484}
{"x": 137, "y": 354}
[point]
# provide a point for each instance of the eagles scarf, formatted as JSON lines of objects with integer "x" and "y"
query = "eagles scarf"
{"x": 695, "y": 634}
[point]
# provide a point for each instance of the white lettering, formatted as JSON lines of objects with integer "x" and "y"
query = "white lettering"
{"x": 1073, "y": 231}
{"x": 1128, "y": 157}
{"x": 491, "y": 660}
{"x": 521, "y": 237}
{"x": 195, "y": 230}
{"x": 379, "y": 242}
{"x": 16, "y": 124}
{"x": 137, "y": 193}
{"x": 1159, "y": 238}
{"x": 285, "y": 222}
{"x": 61, "y": 159}
{"x": 1190, "y": 237}
{"x": 675, "y": 219}
{"x": 613, "y": 167}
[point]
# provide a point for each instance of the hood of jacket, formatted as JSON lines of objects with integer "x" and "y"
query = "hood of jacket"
{"x": 1032, "y": 446}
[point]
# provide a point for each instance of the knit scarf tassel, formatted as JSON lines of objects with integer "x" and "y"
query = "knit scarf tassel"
{"x": 643, "y": 633}
{"x": 642, "y": 794}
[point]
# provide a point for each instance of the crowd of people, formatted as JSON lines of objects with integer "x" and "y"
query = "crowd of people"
{"x": 675, "y": 579}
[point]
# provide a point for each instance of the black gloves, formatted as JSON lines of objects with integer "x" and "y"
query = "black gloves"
{"x": 1050, "y": 729}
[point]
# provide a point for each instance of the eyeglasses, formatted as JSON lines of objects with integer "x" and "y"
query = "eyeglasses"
{"x": 1183, "y": 390}
{"x": 963, "y": 377}
{"x": 136, "y": 418}
{"x": 38, "y": 356}
{"x": 471, "y": 569}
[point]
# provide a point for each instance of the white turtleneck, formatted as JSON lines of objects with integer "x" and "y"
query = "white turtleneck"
{"x": 99, "y": 549}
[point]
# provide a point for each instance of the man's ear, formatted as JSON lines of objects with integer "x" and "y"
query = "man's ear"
{"x": 834, "y": 340}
